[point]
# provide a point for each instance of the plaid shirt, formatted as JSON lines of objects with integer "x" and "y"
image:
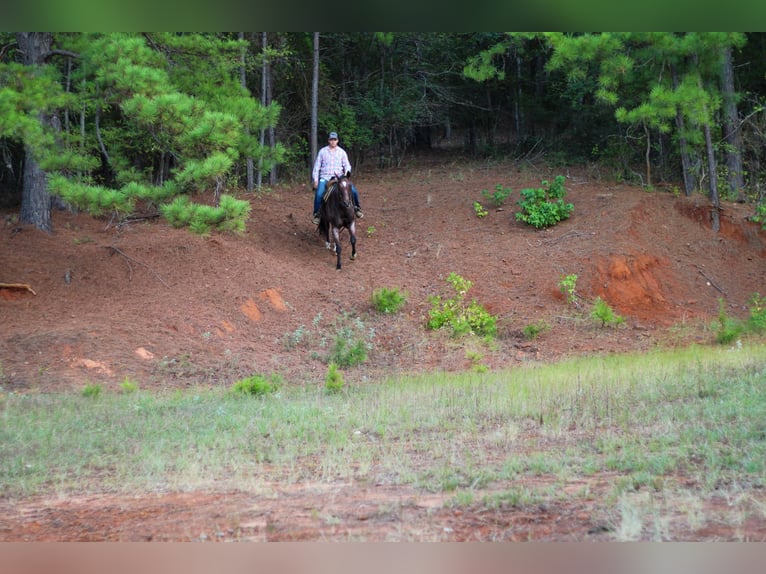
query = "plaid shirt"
{"x": 330, "y": 163}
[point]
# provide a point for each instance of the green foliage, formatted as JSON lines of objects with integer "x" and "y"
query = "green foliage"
{"x": 257, "y": 385}
{"x": 230, "y": 215}
{"x": 479, "y": 210}
{"x": 334, "y": 379}
{"x": 726, "y": 328}
{"x": 91, "y": 391}
{"x": 348, "y": 350}
{"x": 128, "y": 386}
{"x": 604, "y": 313}
{"x": 463, "y": 318}
{"x": 544, "y": 206}
{"x": 534, "y": 330}
{"x": 756, "y": 322}
{"x": 498, "y": 196}
{"x": 475, "y": 358}
{"x": 760, "y": 215}
{"x": 568, "y": 286}
{"x": 387, "y": 300}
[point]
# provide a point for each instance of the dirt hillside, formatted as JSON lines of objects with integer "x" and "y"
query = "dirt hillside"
{"x": 165, "y": 307}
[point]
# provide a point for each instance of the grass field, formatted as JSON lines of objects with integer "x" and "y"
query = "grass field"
{"x": 669, "y": 430}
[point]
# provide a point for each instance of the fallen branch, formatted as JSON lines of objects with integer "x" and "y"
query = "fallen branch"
{"x": 21, "y": 286}
{"x": 128, "y": 259}
{"x": 711, "y": 282}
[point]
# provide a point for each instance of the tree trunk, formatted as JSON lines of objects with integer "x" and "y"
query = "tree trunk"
{"x": 315, "y": 101}
{"x": 732, "y": 136}
{"x": 689, "y": 164}
{"x": 35, "y": 199}
{"x": 714, "y": 197}
{"x": 243, "y": 83}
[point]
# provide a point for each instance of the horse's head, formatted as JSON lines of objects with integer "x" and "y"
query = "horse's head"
{"x": 344, "y": 190}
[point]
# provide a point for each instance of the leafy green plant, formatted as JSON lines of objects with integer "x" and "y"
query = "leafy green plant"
{"x": 727, "y": 328}
{"x": 604, "y": 313}
{"x": 475, "y": 358}
{"x": 129, "y": 386}
{"x": 757, "y": 320}
{"x": 544, "y": 206}
{"x": 534, "y": 330}
{"x": 350, "y": 344}
{"x": 568, "y": 286}
{"x": 91, "y": 391}
{"x": 498, "y": 196}
{"x": 760, "y": 215}
{"x": 463, "y": 318}
{"x": 257, "y": 385}
{"x": 387, "y": 300}
{"x": 370, "y": 230}
{"x": 334, "y": 379}
{"x": 479, "y": 210}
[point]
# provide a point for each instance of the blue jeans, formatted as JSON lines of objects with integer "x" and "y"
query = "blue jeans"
{"x": 320, "y": 192}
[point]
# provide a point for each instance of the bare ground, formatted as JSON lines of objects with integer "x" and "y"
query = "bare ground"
{"x": 170, "y": 309}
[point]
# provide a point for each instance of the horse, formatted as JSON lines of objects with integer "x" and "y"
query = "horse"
{"x": 337, "y": 213}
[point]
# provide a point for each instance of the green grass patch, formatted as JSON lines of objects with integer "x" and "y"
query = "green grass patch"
{"x": 494, "y": 438}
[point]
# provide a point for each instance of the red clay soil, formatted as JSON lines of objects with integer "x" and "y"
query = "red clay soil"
{"x": 96, "y": 302}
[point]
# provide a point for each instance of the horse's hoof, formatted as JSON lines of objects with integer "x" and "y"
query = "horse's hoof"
{"x": 353, "y": 256}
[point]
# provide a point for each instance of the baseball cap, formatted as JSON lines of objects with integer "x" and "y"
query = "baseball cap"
{"x": 332, "y": 136}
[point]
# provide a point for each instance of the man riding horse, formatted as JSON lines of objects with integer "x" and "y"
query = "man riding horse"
{"x": 332, "y": 161}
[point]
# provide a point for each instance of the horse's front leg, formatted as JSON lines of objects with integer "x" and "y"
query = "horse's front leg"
{"x": 336, "y": 238}
{"x": 352, "y": 233}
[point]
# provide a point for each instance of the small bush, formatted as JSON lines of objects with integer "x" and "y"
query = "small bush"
{"x": 544, "y": 206}
{"x": 479, "y": 210}
{"x": 129, "y": 386}
{"x": 727, "y": 329}
{"x": 334, "y": 379}
{"x": 388, "y": 300}
{"x": 757, "y": 320}
{"x": 91, "y": 391}
{"x": 498, "y": 196}
{"x": 257, "y": 385}
{"x": 462, "y": 317}
{"x": 604, "y": 313}
{"x": 534, "y": 330}
{"x": 568, "y": 286}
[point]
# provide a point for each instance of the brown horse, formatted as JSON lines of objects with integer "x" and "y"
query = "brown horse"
{"x": 336, "y": 214}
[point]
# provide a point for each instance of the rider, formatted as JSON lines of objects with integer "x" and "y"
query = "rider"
{"x": 331, "y": 161}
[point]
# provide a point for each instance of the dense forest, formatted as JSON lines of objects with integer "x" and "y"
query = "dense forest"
{"x": 117, "y": 123}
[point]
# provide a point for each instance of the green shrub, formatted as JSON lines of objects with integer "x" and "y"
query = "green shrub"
{"x": 534, "y": 330}
{"x": 568, "y": 286}
{"x": 463, "y": 318}
{"x": 129, "y": 386}
{"x": 544, "y": 206}
{"x": 388, "y": 300}
{"x": 350, "y": 345}
{"x": 91, "y": 391}
{"x": 479, "y": 210}
{"x": 727, "y": 329}
{"x": 498, "y": 196}
{"x": 604, "y": 313}
{"x": 757, "y": 320}
{"x": 334, "y": 379}
{"x": 257, "y": 385}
